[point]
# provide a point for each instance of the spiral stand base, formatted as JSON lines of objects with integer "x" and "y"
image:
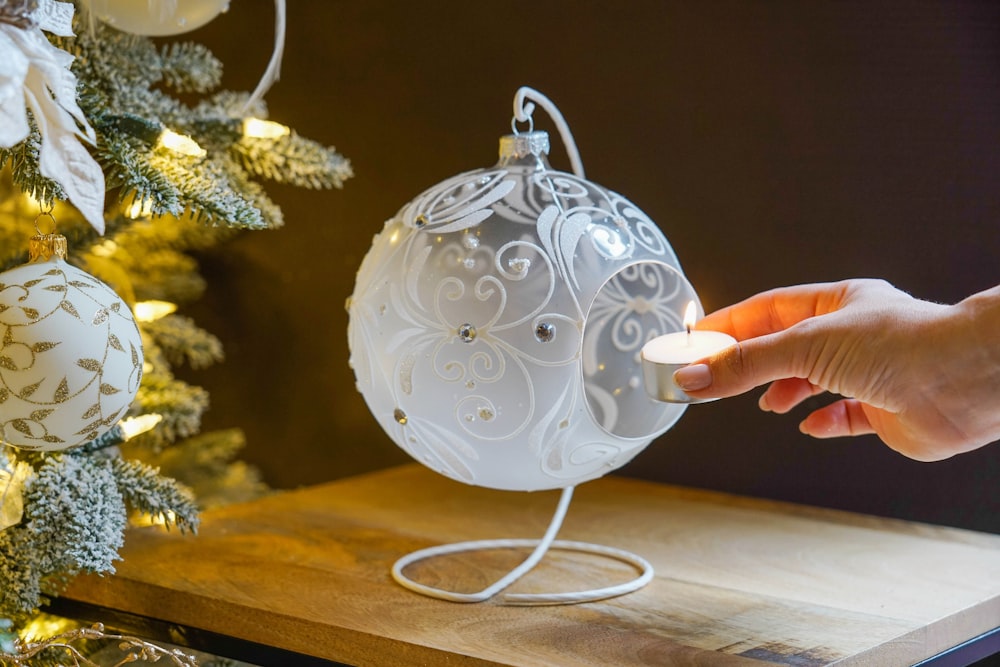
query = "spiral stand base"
{"x": 540, "y": 548}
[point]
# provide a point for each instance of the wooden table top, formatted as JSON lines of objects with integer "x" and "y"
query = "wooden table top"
{"x": 739, "y": 581}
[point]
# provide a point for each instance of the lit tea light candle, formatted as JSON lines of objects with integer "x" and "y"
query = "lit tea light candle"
{"x": 664, "y": 355}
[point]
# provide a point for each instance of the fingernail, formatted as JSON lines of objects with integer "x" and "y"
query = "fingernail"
{"x": 763, "y": 404}
{"x": 693, "y": 377}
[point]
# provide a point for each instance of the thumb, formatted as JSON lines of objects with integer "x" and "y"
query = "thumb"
{"x": 748, "y": 364}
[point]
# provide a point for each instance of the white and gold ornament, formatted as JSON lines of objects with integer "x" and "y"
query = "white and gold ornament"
{"x": 70, "y": 352}
{"x": 156, "y": 18}
{"x": 35, "y": 75}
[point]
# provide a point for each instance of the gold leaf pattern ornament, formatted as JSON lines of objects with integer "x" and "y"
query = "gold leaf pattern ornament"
{"x": 71, "y": 356}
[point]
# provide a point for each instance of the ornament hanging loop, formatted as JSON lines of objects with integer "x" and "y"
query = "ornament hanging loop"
{"x": 522, "y": 114}
{"x": 45, "y": 214}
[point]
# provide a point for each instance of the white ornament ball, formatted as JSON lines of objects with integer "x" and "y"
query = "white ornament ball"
{"x": 71, "y": 356}
{"x": 156, "y": 18}
{"x": 497, "y": 321}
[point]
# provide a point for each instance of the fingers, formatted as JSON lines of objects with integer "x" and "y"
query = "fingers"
{"x": 845, "y": 417}
{"x": 783, "y": 395}
{"x": 775, "y": 310}
{"x": 779, "y": 339}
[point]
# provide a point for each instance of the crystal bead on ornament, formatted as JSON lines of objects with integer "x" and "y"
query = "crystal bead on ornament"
{"x": 519, "y": 369}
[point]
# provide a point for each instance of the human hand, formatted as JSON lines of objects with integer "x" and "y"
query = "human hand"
{"x": 925, "y": 377}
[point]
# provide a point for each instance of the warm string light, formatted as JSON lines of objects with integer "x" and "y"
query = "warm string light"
{"x": 123, "y": 431}
{"x": 156, "y": 134}
{"x": 44, "y": 625}
{"x": 105, "y": 248}
{"x": 139, "y": 209}
{"x": 180, "y": 143}
{"x": 150, "y": 311}
{"x": 133, "y": 426}
{"x": 258, "y": 128}
{"x": 165, "y": 519}
{"x": 163, "y": 137}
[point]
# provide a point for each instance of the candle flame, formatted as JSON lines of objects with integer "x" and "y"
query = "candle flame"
{"x": 690, "y": 315}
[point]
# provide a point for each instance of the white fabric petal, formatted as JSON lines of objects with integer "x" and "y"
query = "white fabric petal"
{"x": 35, "y": 72}
{"x": 53, "y": 63}
{"x": 55, "y": 17}
{"x": 63, "y": 158}
{"x": 13, "y": 70}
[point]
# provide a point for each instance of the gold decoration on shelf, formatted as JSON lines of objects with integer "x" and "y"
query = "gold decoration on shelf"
{"x": 131, "y": 648}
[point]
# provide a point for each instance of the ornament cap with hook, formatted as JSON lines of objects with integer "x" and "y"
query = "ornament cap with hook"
{"x": 45, "y": 245}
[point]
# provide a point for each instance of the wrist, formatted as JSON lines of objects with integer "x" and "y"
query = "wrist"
{"x": 981, "y": 315}
{"x": 978, "y": 332}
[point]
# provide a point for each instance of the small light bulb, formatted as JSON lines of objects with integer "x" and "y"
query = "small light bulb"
{"x": 33, "y": 202}
{"x": 180, "y": 143}
{"x": 139, "y": 208}
{"x": 133, "y": 426}
{"x": 143, "y": 520}
{"x": 258, "y": 128}
{"x": 105, "y": 248}
{"x": 43, "y": 626}
{"x": 149, "y": 311}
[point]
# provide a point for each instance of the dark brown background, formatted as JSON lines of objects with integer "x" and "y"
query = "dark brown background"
{"x": 774, "y": 143}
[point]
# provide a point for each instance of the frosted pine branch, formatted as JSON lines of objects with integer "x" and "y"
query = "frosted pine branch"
{"x": 162, "y": 498}
{"x": 182, "y": 341}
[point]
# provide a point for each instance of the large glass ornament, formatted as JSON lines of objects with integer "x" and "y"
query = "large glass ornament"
{"x": 71, "y": 356}
{"x": 497, "y": 321}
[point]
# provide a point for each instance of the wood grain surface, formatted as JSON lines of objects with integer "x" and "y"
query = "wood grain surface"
{"x": 738, "y": 581}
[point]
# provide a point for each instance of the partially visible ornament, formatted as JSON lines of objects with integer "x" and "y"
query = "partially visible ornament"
{"x": 70, "y": 352}
{"x": 156, "y": 18}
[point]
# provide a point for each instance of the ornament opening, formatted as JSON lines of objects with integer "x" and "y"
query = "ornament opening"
{"x": 639, "y": 302}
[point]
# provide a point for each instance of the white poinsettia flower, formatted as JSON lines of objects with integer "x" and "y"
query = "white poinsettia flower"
{"x": 35, "y": 75}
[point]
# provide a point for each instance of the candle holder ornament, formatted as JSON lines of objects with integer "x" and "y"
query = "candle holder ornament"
{"x": 496, "y": 330}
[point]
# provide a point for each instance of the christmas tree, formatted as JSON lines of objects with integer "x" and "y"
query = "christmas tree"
{"x": 127, "y": 147}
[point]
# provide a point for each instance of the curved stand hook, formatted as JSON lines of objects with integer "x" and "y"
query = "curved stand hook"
{"x": 522, "y": 114}
{"x": 273, "y": 70}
